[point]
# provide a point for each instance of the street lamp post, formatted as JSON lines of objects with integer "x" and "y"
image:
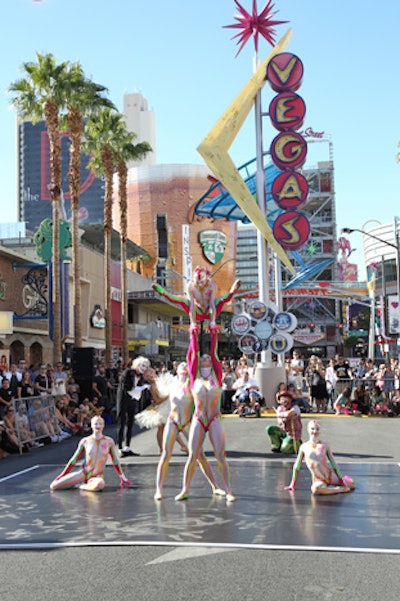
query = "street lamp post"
{"x": 223, "y": 265}
{"x": 348, "y": 230}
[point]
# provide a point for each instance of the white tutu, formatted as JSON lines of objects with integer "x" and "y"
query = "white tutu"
{"x": 165, "y": 383}
{"x": 154, "y": 415}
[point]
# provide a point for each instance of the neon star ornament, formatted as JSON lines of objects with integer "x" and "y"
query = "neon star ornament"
{"x": 253, "y": 25}
{"x": 312, "y": 248}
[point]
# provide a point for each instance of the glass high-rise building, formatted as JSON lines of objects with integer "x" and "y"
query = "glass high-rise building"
{"x": 34, "y": 201}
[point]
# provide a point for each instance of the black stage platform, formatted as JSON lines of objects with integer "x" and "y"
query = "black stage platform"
{"x": 263, "y": 516}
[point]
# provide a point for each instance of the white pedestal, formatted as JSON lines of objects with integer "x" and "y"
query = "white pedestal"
{"x": 268, "y": 379}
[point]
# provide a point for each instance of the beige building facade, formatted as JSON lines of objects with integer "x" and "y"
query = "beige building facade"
{"x": 160, "y": 219}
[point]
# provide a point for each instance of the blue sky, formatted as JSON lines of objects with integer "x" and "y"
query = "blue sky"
{"x": 177, "y": 54}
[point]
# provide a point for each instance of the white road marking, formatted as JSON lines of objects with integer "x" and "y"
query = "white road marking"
{"x": 16, "y": 474}
{"x": 187, "y": 553}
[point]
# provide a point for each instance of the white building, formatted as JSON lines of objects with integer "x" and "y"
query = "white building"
{"x": 140, "y": 120}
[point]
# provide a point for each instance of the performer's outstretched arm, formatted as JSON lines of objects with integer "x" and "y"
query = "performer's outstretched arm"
{"x": 296, "y": 470}
{"x": 334, "y": 465}
{"x": 216, "y": 363}
{"x": 226, "y": 298}
{"x": 77, "y": 456}
{"x": 117, "y": 465}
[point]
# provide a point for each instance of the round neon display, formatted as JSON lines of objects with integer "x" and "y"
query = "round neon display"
{"x": 288, "y": 150}
{"x": 257, "y": 310}
{"x": 263, "y": 330}
{"x": 246, "y": 343}
{"x": 290, "y": 190}
{"x": 287, "y": 111}
{"x": 285, "y": 322}
{"x": 241, "y": 324}
{"x": 291, "y": 229}
{"x": 285, "y": 72}
{"x": 280, "y": 343}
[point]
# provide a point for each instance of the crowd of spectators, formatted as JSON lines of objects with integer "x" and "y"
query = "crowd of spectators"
{"x": 317, "y": 385}
{"x": 44, "y": 404}
{"x": 363, "y": 388}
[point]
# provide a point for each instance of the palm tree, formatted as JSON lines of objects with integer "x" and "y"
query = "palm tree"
{"x": 102, "y": 131}
{"x": 126, "y": 151}
{"x": 84, "y": 96}
{"x": 41, "y": 94}
{"x": 110, "y": 145}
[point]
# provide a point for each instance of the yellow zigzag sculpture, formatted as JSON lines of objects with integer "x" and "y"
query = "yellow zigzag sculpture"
{"x": 214, "y": 150}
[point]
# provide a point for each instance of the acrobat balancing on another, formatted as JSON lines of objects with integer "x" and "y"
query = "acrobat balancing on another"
{"x": 200, "y": 302}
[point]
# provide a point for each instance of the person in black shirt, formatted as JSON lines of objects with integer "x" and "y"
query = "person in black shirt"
{"x": 43, "y": 383}
{"x": 343, "y": 375}
{"x": 6, "y": 396}
{"x": 101, "y": 387}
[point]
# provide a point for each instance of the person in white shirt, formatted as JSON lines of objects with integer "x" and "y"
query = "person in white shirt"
{"x": 14, "y": 377}
{"x": 330, "y": 378}
{"x": 296, "y": 369}
{"x": 247, "y": 394}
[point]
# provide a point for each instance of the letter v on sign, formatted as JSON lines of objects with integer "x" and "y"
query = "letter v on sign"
{"x": 214, "y": 150}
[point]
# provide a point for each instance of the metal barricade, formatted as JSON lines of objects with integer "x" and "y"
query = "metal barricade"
{"x": 387, "y": 384}
{"x": 35, "y": 418}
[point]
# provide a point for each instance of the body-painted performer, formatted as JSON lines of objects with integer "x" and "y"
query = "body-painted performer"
{"x": 94, "y": 450}
{"x": 200, "y": 302}
{"x": 206, "y": 382}
{"x": 325, "y": 473}
{"x": 178, "y": 422}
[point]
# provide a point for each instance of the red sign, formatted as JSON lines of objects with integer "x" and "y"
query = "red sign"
{"x": 291, "y": 229}
{"x": 290, "y": 190}
{"x": 310, "y": 133}
{"x": 285, "y": 72}
{"x": 308, "y": 338}
{"x": 289, "y": 150}
{"x": 287, "y": 111}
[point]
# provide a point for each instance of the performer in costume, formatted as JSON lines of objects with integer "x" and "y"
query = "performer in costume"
{"x": 156, "y": 415}
{"x": 285, "y": 437}
{"x": 325, "y": 473}
{"x": 131, "y": 386}
{"x": 200, "y": 302}
{"x": 178, "y": 422}
{"x": 94, "y": 450}
{"x": 206, "y": 383}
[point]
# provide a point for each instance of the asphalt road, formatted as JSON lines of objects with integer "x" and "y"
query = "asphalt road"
{"x": 198, "y": 573}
